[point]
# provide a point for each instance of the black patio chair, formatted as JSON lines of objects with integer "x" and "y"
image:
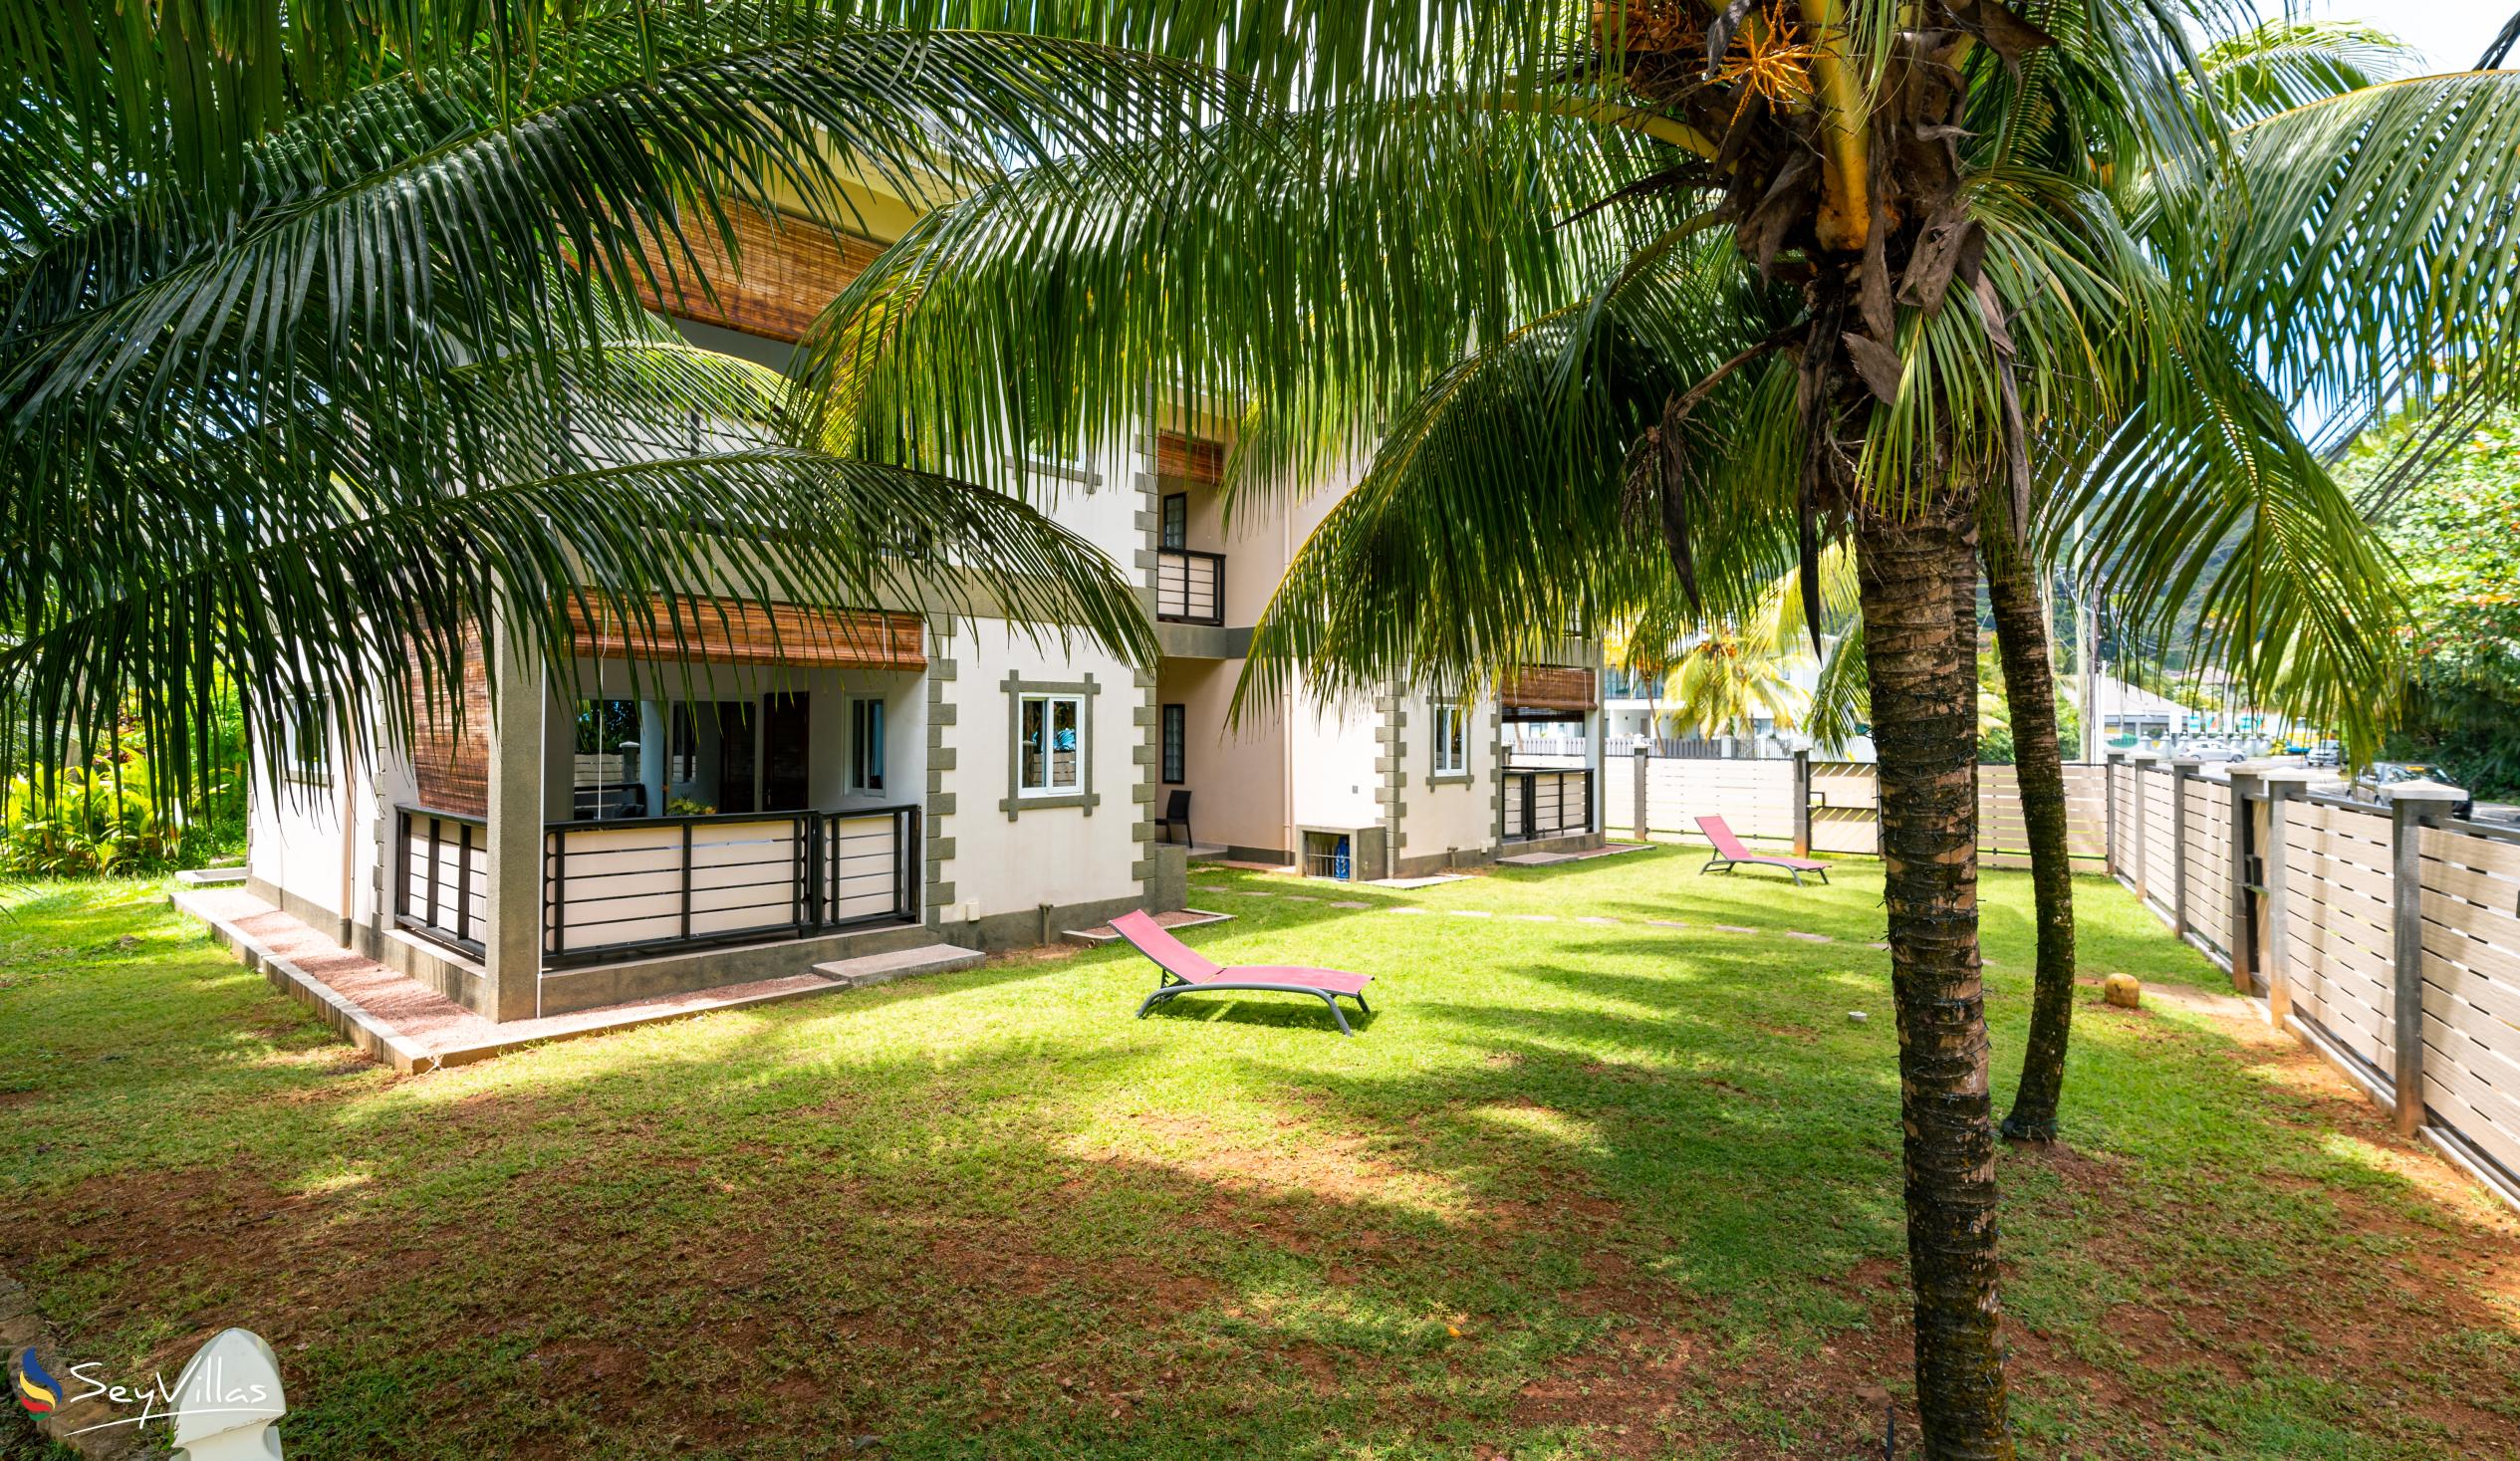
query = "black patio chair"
{"x": 1177, "y": 809}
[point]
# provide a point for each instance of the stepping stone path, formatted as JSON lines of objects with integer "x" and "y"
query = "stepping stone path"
{"x": 1339, "y": 903}
{"x": 1733, "y": 929}
{"x": 1599, "y": 922}
{"x": 1533, "y": 917}
{"x": 1808, "y": 937}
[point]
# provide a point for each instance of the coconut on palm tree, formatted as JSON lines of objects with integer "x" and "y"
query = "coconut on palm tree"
{"x": 1621, "y": 292}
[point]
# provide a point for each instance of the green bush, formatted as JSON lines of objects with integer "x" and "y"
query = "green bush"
{"x": 109, "y": 814}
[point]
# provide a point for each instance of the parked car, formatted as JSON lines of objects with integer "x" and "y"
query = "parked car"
{"x": 2375, "y": 784}
{"x": 2326, "y": 753}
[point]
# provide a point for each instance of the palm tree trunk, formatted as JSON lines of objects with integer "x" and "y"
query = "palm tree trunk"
{"x": 2021, "y": 636}
{"x": 1920, "y": 653}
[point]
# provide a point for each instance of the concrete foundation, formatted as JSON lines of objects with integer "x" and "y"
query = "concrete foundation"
{"x": 568, "y": 990}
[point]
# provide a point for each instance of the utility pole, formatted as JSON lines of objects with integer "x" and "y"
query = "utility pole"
{"x": 2090, "y": 642}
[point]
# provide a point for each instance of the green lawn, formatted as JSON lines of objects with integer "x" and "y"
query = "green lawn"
{"x": 1578, "y": 1188}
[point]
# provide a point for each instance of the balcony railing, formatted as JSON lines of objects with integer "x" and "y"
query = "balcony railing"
{"x": 1189, "y": 587}
{"x": 442, "y": 886}
{"x": 632, "y": 888}
{"x": 1547, "y": 803}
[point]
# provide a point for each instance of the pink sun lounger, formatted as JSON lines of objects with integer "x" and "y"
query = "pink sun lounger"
{"x": 1731, "y": 854}
{"x": 1186, "y": 972}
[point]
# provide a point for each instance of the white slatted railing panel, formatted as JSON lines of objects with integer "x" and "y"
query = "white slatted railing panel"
{"x": 2471, "y": 989}
{"x": 1619, "y": 794}
{"x": 2121, "y": 815}
{"x": 1846, "y": 811}
{"x": 2161, "y": 846}
{"x": 616, "y": 887}
{"x": 2003, "y": 832}
{"x": 2337, "y": 922}
{"x": 1755, "y": 797}
{"x": 2208, "y": 861}
{"x": 2086, "y": 811}
{"x": 445, "y": 877}
{"x": 864, "y": 867}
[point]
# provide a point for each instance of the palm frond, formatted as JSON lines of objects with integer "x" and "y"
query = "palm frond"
{"x": 381, "y": 292}
{"x": 2206, "y": 516}
{"x": 2362, "y": 246}
{"x": 1342, "y": 279}
{"x": 1450, "y": 562}
{"x": 664, "y": 478}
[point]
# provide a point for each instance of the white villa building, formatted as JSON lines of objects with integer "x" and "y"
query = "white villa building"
{"x": 841, "y": 780}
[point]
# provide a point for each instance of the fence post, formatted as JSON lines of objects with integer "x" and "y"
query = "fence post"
{"x": 2244, "y": 956}
{"x": 1802, "y": 802}
{"x": 2109, "y": 813}
{"x": 2283, "y": 783}
{"x": 2411, "y": 808}
{"x": 2135, "y": 778}
{"x": 2182, "y": 771}
{"x": 1644, "y": 770}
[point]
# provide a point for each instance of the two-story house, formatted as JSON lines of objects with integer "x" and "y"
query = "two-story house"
{"x": 825, "y": 781}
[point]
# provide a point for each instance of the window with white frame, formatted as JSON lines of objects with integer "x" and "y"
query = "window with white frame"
{"x": 1050, "y": 744}
{"x": 310, "y": 742}
{"x": 1452, "y": 739}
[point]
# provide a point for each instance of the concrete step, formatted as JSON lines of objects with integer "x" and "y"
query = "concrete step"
{"x": 934, "y": 958}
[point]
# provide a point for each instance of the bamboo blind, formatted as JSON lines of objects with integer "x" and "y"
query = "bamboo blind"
{"x": 1551, "y": 687}
{"x": 1190, "y": 458}
{"x": 784, "y": 272}
{"x": 734, "y": 631}
{"x": 450, "y": 751}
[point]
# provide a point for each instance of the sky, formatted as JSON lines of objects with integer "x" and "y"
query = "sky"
{"x": 2452, "y": 33}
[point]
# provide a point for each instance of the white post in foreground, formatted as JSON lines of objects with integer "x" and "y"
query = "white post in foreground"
{"x": 2284, "y": 783}
{"x": 1644, "y": 778}
{"x": 227, "y": 1398}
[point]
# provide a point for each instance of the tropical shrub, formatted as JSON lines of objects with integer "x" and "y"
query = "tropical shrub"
{"x": 106, "y": 816}
{"x": 2457, "y": 531}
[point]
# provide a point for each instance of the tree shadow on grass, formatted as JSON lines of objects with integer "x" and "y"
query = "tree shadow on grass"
{"x": 997, "y": 1216}
{"x": 1281, "y": 1012}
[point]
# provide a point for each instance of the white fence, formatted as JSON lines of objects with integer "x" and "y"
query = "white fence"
{"x": 2387, "y": 940}
{"x": 1829, "y": 806}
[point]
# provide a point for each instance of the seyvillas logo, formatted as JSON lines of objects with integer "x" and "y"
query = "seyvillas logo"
{"x": 231, "y": 1386}
{"x": 36, "y": 1389}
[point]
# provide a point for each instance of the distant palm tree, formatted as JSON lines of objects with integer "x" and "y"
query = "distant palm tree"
{"x": 320, "y": 334}
{"x": 1724, "y": 685}
{"x": 1731, "y": 671}
{"x": 1665, "y": 297}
